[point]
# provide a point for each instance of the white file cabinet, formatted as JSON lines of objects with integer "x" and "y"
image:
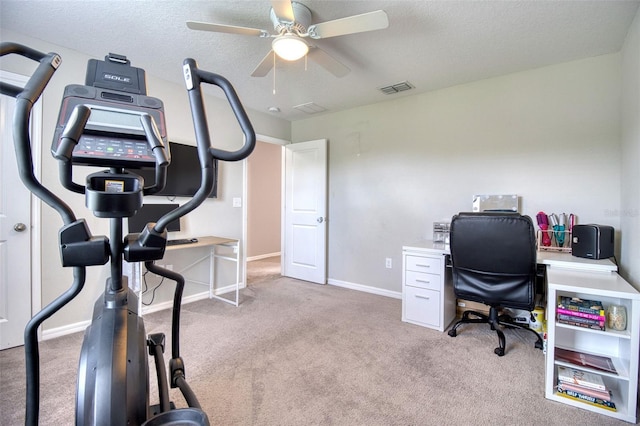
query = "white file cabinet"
{"x": 427, "y": 293}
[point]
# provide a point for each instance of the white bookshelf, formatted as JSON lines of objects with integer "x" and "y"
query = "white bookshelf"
{"x": 621, "y": 347}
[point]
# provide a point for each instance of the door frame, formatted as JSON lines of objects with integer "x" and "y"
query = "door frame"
{"x": 36, "y": 204}
{"x": 245, "y": 193}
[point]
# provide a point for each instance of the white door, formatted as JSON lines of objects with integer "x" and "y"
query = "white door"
{"x": 305, "y": 211}
{"x": 15, "y": 234}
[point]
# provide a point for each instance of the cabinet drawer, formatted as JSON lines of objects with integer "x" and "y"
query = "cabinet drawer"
{"x": 422, "y": 280}
{"x": 422, "y": 306}
{"x": 432, "y": 265}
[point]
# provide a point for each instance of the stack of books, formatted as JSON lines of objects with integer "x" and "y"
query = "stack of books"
{"x": 581, "y": 312}
{"x": 585, "y": 387}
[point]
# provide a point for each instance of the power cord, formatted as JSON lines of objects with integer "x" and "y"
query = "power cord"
{"x": 146, "y": 289}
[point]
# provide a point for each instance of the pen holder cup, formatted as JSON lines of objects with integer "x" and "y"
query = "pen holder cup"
{"x": 554, "y": 240}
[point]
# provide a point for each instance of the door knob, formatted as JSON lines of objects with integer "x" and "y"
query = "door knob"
{"x": 19, "y": 227}
{"x": 320, "y": 219}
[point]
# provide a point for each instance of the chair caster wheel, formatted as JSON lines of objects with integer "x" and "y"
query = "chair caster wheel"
{"x": 452, "y": 333}
{"x": 499, "y": 351}
{"x": 538, "y": 344}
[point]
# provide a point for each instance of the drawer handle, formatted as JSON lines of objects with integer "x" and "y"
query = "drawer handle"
{"x": 422, "y": 265}
{"x": 423, "y": 281}
{"x": 419, "y": 296}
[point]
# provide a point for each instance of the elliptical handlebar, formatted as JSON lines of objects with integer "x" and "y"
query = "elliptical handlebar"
{"x": 193, "y": 77}
{"x": 26, "y": 97}
{"x": 206, "y": 152}
{"x": 49, "y": 63}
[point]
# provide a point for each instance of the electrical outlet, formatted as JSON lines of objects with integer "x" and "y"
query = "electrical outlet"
{"x": 388, "y": 263}
{"x": 237, "y": 202}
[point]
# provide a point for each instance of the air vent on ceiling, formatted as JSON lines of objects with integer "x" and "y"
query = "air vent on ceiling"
{"x": 310, "y": 108}
{"x": 395, "y": 88}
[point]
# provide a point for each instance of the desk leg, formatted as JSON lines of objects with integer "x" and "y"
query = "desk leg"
{"x": 237, "y": 273}
{"x": 212, "y": 271}
{"x": 236, "y": 259}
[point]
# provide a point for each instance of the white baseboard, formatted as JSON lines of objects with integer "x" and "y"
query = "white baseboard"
{"x": 64, "y": 330}
{"x": 262, "y": 256}
{"x": 365, "y": 288}
{"x": 82, "y": 325}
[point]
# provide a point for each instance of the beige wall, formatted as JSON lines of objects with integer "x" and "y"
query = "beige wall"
{"x": 550, "y": 135}
{"x": 630, "y": 207}
{"x": 214, "y": 217}
{"x": 264, "y": 169}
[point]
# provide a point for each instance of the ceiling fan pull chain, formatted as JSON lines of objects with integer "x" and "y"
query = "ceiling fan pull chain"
{"x": 274, "y": 73}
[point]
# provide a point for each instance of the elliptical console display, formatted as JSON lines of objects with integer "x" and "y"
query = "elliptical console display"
{"x": 114, "y": 133}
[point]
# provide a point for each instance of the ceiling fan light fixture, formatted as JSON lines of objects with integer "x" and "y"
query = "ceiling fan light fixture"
{"x": 290, "y": 47}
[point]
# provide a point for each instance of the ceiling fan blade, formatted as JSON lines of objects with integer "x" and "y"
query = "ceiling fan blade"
{"x": 264, "y": 66}
{"x": 283, "y": 10}
{"x": 327, "y": 62}
{"x": 230, "y": 29}
{"x": 376, "y": 20}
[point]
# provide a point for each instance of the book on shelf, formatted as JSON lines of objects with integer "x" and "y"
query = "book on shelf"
{"x": 578, "y": 314}
{"x": 581, "y": 324}
{"x": 577, "y": 396}
{"x": 569, "y": 319}
{"x": 580, "y": 359}
{"x": 580, "y": 378}
{"x": 581, "y": 305}
{"x": 580, "y": 319}
{"x": 605, "y": 395}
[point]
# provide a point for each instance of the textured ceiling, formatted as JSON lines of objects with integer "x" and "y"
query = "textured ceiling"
{"x": 432, "y": 44}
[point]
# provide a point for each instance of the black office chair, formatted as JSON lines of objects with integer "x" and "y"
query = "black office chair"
{"x": 493, "y": 259}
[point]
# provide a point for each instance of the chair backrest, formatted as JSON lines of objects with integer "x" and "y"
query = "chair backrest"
{"x": 493, "y": 256}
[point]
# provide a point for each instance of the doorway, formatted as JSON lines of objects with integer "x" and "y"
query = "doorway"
{"x": 264, "y": 208}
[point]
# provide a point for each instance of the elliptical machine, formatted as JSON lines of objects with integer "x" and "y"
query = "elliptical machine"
{"x": 113, "y": 376}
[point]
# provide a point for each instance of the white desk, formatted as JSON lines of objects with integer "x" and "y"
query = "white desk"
{"x": 567, "y": 275}
{"x": 550, "y": 258}
{"x": 568, "y": 261}
{"x": 214, "y": 244}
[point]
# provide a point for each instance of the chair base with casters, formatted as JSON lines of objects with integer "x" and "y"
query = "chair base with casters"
{"x": 495, "y": 321}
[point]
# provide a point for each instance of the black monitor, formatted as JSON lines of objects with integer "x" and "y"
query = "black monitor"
{"x": 183, "y": 174}
{"x": 151, "y": 213}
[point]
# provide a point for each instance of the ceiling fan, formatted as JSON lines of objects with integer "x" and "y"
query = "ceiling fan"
{"x": 292, "y": 25}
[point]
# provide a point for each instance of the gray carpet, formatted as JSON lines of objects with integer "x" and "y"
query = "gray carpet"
{"x": 296, "y": 353}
